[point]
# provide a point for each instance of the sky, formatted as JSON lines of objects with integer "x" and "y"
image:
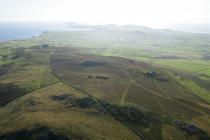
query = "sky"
{"x": 153, "y": 13}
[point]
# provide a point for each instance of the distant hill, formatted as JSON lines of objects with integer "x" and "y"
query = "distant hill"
{"x": 194, "y": 28}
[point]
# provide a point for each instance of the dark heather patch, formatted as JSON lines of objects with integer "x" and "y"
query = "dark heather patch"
{"x": 86, "y": 102}
{"x": 206, "y": 57}
{"x": 137, "y": 119}
{"x": 169, "y": 57}
{"x": 192, "y": 129}
{"x": 42, "y": 133}
{"x": 60, "y": 97}
{"x": 129, "y": 114}
{"x": 98, "y": 77}
{"x": 9, "y": 92}
{"x": 4, "y": 69}
{"x": 102, "y": 77}
{"x": 91, "y": 63}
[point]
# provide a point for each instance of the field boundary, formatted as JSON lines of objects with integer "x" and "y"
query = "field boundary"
{"x": 22, "y": 94}
{"x": 141, "y": 137}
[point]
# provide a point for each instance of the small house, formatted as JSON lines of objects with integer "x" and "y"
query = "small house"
{"x": 151, "y": 74}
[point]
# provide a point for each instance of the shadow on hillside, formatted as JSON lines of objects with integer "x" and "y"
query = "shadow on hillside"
{"x": 42, "y": 133}
{"x": 9, "y": 92}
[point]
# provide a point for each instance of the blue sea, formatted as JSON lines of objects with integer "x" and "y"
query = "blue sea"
{"x": 24, "y": 30}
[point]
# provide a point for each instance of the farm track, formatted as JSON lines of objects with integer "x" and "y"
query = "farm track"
{"x": 167, "y": 98}
{"x": 125, "y": 93}
{"x": 159, "y": 88}
{"x": 156, "y": 93}
{"x": 141, "y": 137}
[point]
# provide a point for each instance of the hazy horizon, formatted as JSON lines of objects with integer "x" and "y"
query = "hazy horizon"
{"x": 155, "y": 14}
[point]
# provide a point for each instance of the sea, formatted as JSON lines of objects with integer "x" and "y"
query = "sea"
{"x": 24, "y": 30}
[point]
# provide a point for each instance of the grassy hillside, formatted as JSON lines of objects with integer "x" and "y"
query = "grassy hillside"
{"x": 95, "y": 85}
